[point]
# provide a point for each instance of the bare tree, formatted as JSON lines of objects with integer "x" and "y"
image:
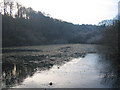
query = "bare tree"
{"x": 1, "y": 7}
{"x": 11, "y": 7}
{"x": 5, "y": 7}
{"x": 22, "y": 12}
{"x": 18, "y": 9}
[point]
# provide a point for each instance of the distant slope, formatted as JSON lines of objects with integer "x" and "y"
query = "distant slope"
{"x": 42, "y": 29}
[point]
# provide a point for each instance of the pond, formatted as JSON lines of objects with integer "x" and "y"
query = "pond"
{"x": 61, "y": 66}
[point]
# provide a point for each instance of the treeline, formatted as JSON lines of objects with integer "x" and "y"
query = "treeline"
{"x": 29, "y": 27}
{"x": 45, "y": 30}
{"x": 111, "y": 35}
{"x": 15, "y": 9}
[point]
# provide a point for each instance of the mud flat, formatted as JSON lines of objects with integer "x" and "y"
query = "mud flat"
{"x": 76, "y": 64}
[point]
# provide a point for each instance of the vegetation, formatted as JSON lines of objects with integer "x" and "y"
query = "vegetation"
{"x": 24, "y": 26}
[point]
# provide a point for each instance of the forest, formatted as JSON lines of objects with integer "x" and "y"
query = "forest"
{"x": 24, "y": 26}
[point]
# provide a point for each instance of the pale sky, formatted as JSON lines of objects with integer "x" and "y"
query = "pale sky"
{"x": 76, "y": 11}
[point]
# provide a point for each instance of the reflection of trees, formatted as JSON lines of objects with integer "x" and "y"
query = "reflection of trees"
{"x": 15, "y": 72}
{"x": 111, "y": 72}
{"x": 18, "y": 67}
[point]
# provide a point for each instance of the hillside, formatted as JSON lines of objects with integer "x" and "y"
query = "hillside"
{"x": 29, "y": 27}
{"x": 41, "y": 29}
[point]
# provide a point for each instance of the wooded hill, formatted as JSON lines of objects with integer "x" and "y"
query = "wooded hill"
{"x": 29, "y": 27}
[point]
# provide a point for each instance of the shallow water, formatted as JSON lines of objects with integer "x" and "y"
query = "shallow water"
{"x": 78, "y": 73}
{"x": 64, "y": 69}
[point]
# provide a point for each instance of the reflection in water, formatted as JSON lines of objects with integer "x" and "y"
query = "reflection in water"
{"x": 16, "y": 73}
{"x": 72, "y": 74}
{"x": 63, "y": 69}
{"x": 15, "y": 70}
{"x": 111, "y": 71}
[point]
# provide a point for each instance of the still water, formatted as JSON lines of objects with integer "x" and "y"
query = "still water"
{"x": 79, "y": 72}
{"x": 74, "y": 70}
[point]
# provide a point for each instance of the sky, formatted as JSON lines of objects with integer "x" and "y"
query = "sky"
{"x": 76, "y": 11}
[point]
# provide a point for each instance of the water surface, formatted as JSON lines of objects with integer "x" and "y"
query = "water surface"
{"x": 69, "y": 66}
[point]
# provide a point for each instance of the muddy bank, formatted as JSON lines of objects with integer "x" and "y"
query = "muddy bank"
{"x": 48, "y": 55}
{"x": 22, "y": 62}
